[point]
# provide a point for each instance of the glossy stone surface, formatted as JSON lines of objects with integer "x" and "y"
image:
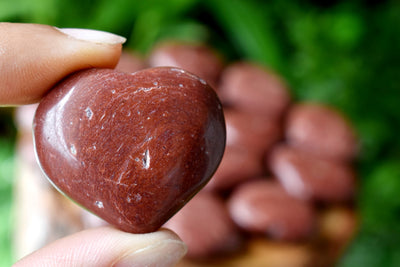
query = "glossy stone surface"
{"x": 131, "y": 148}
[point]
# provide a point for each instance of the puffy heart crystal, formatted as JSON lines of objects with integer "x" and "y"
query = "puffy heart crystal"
{"x": 131, "y": 148}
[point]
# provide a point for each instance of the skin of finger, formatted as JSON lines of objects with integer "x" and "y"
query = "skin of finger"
{"x": 100, "y": 247}
{"x": 34, "y": 57}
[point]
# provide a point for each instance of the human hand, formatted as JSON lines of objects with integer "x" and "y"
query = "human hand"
{"x": 32, "y": 59}
{"x": 107, "y": 246}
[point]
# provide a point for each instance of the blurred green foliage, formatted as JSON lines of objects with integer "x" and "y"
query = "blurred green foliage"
{"x": 6, "y": 163}
{"x": 7, "y": 137}
{"x": 343, "y": 53}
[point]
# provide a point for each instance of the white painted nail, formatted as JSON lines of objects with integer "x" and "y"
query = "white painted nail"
{"x": 94, "y": 36}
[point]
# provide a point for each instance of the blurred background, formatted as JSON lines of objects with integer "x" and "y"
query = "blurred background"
{"x": 343, "y": 53}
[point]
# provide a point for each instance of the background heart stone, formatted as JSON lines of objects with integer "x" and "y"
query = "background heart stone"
{"x": 131, "y": 148}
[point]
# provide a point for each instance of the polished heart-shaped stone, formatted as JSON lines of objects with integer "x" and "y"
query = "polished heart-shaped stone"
{"x": 131, "y": 148}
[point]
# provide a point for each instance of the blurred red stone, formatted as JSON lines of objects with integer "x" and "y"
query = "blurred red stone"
{"x": 264, "y": 207}
{"x": 205, "y": 226}
{"x": 255, "y": 133}
{"x": 196, "y": 58}
{"x": 307, "y": 176}
{"x": 321, "y": 130}
{"x": 130, "y": 62}
{"x": 237, "y": 165}
{"x": 252, "y": 88}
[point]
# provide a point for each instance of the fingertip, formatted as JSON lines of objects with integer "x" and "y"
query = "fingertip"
{"x": 107, "y": 246}
{"x": 35, "y": 57}
{"x": 166, "y": 249}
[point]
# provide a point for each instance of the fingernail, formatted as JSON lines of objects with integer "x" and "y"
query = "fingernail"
{"x": 93, "y": 36}
{"x": 165, "y": 253}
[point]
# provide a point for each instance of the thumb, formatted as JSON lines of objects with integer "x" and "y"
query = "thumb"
{"x": 34, "y": 57}
{"x": 107, "y": 246}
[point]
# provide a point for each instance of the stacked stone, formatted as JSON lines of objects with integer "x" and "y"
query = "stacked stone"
{"x": 285, "y": 163}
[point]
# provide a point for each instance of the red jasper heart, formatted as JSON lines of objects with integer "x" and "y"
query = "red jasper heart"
{"x": 131, "y": 148}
